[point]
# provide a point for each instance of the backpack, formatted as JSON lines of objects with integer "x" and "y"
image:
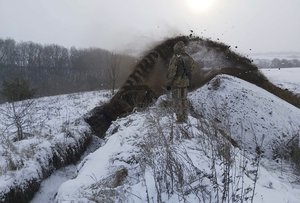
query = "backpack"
{"x": 183, "y": 70}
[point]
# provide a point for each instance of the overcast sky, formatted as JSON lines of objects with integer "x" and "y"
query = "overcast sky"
{"x": 260, "y": 25}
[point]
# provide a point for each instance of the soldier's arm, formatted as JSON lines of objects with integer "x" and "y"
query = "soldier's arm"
{"x": 193, "y": 64}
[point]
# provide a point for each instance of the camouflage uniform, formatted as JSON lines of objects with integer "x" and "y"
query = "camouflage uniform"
{"x": 179, "y": 77}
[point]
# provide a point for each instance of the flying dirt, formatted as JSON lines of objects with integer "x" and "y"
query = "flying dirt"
{"x": 148, "y": 79}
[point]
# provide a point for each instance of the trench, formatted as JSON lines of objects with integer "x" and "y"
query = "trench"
{"x": 61, "y": 156}
{"x": 49, "y": 186}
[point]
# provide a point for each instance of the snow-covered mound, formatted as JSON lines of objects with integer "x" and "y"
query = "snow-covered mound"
{"x": 246, "y": 112}
{"x": 147, "y": 157}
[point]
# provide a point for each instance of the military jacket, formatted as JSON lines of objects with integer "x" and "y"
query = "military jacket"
{"x": 180, "y": 70}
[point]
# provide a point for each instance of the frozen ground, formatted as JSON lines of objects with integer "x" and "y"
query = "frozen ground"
{"x": 94, "y": 171}
{"x": 134, "y": 163}
{"x": 248, "y": 107}
{"x": 244, "y": 110}
{"x": 56, "y": 123}
{"x": 48, "y": 188}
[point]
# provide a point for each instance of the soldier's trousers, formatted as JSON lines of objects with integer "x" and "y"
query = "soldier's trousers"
{"x": 179, "y": 96}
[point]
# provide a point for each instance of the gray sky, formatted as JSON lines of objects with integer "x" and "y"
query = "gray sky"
{"x": 260, "y": 25}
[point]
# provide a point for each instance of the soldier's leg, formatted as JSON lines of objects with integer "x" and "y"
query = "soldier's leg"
{"x": 179, "y": 111}
{"x": 180, "y": 114}
{"x": 176, "y": 101}
{"x": 181, "y": 104}
{"x": 184, "y": 104}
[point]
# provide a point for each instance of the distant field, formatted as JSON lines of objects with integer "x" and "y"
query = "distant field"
{"x": 285, "y": 77}
{"x": 271, "y": 56}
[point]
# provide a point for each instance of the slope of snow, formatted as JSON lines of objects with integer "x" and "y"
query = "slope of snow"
{"x": 288, "y": 78}
{"x": 142, "y": 148}
{"x": 248, "y": 113}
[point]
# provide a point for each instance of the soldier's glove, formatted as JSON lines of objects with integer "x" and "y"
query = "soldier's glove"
{"x": 168, "y": 88}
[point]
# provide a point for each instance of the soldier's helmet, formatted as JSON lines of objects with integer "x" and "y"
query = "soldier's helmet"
{"x": 179, "y": 47}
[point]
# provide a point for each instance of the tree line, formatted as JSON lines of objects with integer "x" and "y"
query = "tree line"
{"x": 53, "y": 69}
{"x": 277, "y": 63}
{"x": 284, "y": 63}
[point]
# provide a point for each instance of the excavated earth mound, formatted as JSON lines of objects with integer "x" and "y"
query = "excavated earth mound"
{"x": 148, "y": 79}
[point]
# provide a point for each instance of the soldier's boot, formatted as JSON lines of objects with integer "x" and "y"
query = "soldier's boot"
{"x": 180, "y": 120}
{"x": 184, "y": 110}
{"x": 179, "y": 111}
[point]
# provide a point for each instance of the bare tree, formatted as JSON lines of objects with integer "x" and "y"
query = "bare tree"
{"x": 17, "y": 112}
{"x": 7, "y": 52}
{"x": 53, "y": 69}
{"x": 113, "y": 70}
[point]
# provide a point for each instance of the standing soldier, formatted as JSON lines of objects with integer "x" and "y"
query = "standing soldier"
{"x": 178, "y": 80}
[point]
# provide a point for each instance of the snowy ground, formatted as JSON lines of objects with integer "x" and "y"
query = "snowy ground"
{"x": 143, "y": 149}
{"x": 55, "y": 122}
{"x": 49, "y": 186}
{"x": 285, "y": 78}
{"x": 249, "y": 108}
{"x": 243, "y": 109}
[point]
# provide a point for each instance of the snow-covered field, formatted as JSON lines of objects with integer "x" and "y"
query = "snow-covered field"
{"x": 56, "y": 124}
{"x": 271, "y": 56}
{"x": 142, "y": 149}
{"x": 288, "y": 78}
{"x": 266, "y": 60}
